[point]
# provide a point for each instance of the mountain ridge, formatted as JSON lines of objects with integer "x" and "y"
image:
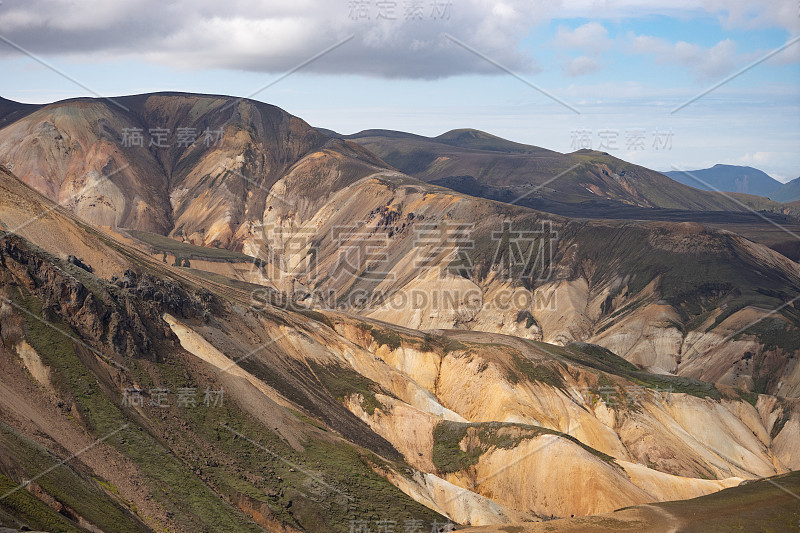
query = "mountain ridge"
{"x": 520, "y": 173}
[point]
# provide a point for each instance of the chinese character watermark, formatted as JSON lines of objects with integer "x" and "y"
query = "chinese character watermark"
{"x": 411, "y": 525}
{"x": 183, "y": 137}
{"x": 396, "y": 10}
{"x": 525, "y": 254}
{"x": 185, "y": 397}
{"x": 607, "y": 140}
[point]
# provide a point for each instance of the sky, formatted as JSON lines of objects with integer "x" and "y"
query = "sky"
{"x": 666, "y": 84}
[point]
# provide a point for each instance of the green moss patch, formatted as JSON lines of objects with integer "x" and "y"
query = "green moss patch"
{"x": 448, "y": 456}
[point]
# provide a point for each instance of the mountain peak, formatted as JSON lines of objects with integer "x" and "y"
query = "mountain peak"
{"x": 739, "y": 167}
{"x": 480, "y": 140}
{"x": 467, "y": 132}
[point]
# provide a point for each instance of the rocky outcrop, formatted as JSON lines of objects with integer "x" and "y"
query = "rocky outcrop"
{"x": 120, "y": 319}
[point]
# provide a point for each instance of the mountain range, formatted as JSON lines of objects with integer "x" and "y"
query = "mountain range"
{"x": 585, "y": 181}
{"x": 407, "y": 330}
{"x": 585, "y": 184}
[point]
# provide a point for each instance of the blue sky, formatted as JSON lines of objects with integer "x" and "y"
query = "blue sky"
{"x": 623, "y": 65}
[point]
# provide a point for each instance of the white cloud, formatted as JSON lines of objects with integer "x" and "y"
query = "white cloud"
{"x": 740, "y": 14}
{"x": 757, "y": 158}
{"x": 754, "y": 14}
{"x": 706, "y": 63}
{"x": 591, "y": 37}
{"x": 275, "y": 36}
{"x": 788, "y": 56}
{"x": 581, "y": 65}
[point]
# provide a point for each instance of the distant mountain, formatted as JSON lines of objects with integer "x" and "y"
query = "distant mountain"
{"x": 728, "y": 178}
{"x": 788, "y": 192}
{"x": 584, "y": 183}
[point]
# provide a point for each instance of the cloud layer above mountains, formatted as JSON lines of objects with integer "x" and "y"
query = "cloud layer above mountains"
{"x": 391, "y": 38}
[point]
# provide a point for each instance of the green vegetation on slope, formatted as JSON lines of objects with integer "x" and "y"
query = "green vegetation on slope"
{"x": 20, "y": 508}
{"x": 174, "y": 485}
{"x": 448, "y": 456}
{"x": 77, "y": 491}
{"x": 343, "y": 382}
{"x": 605, "y": 360}
{"x": 523, "y": 367}
{"x": 203, "y": 464}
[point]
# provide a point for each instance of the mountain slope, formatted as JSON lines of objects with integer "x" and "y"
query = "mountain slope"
{"x": 201, "y": 168}
{"x": 509, "y": 270}
{"x": 788, "y": 192}
{"x": 599, "y": 185}
{"x": 76, "y": 346}
{"x": 480, "y": 140}
{"x": 765, "y": 505}
{"x": 477, "y": 163}
{"x": 341, "y": 405}
{"x": 313, "y": 432}
{"x": 728, "y": 178}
